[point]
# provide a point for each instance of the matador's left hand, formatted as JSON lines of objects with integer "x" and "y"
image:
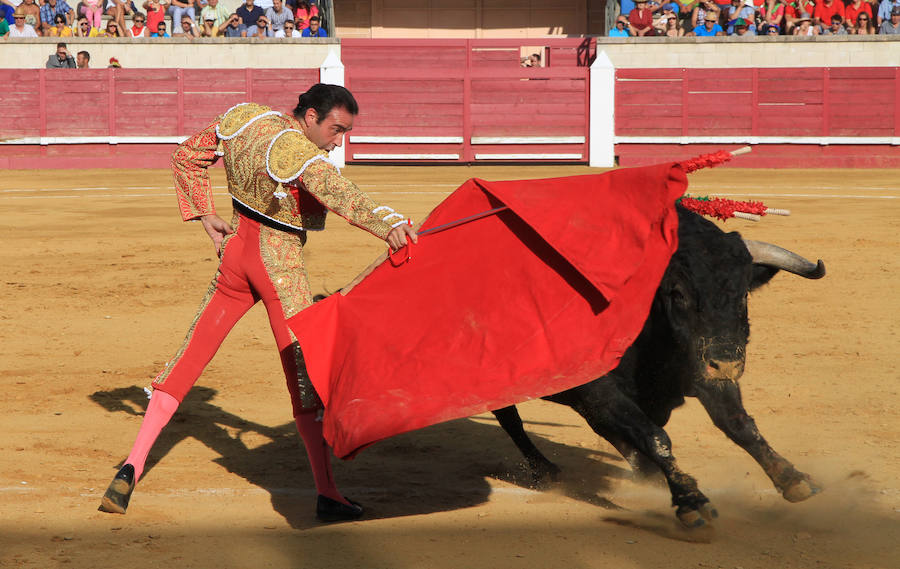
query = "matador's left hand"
{"x": 217, "y": 228}
{"x": 397, "y": 238}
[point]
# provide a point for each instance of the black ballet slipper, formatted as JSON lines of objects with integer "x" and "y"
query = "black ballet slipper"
{"x": 117, "y": 496}
{"x": 328, "y": 510}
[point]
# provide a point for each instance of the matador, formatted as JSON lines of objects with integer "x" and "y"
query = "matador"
{"x": 281, "y": 183}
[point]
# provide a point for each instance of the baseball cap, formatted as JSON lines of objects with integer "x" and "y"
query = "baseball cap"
{"x": 210, "y": 18}
{"x": 895, "y": 10}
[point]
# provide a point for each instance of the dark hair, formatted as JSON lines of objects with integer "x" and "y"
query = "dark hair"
{"x": 61, "y": 44}
{"x": 316, "y": 18}
{"x": 322, "y": 98}
{"x": 85, "y": 55}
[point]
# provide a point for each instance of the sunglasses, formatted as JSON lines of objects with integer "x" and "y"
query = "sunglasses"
{"x": 18, "y": 17}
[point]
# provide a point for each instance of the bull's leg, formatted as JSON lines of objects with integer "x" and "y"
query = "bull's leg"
{"x": 722, "y": 400}
{"x": 617, "y": 418}
{"x": 542, "y": 470}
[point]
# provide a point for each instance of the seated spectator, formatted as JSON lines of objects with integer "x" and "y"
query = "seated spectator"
{"x": 641, "y": 19}
{"x": 864, "y": 25}
{"x": 698, "y": 15}
{"x": 620, "y": 31}
{"x": 836, "y": 28}
{"x": 61, "y": 59}
{"x": 740, "y": 9}
{"x": 4, "y": 28}
{"x": 112, "y": 30}
{"x": 60, "y": 28}
{"x": 889, "y": 27}
{"x": 804, "y": 26}
{"x": 234, "y": 27}
{"x": 83, "y": 60}
{"x": 303, "y": 13}
{"x": 278, "y": 15}
{"x": 314, "y": 31}
{"x": 219, "y": 12}
{"x": 49, "y": 12}
{"x": 138, "y": 28}
{"x": 288, "y": 31}
{"x": 209, "y": 29}
{"x": 772, "y": 12}
{"x": 668, "y": 11}
{"x": 771, "y": 29}
{"x": 178, "y": 9}
{"x": 6, "y": 12}
{"x": 249, "y": 13}
{"x": 825, "y": 10}
{"x": 84, "y": 29}
{"x": 884, "y": 11}
{"x": 188, "y": 28}
{"x": 118, "y": 9}
{"x": 710, "y": 26}
{"x": 854, "y": 9}
{"x": 20, "y": 29}
{"x": 260, "y": 29}
{"x": 162, "y": 31}
{"x": 742, "y": 28}
{"x": 32, "y": 15}
{"x": 93, "y": 11}
{"x": 792, "y": 13}
{"x": 156, "y": 13}
{"x": 673, "y": 28}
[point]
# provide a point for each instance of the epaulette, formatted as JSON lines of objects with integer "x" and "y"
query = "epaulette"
{"x": 239, "y": 117}
{"x": 289, "y": 153}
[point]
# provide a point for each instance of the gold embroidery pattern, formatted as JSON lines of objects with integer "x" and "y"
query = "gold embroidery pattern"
{"x": 286, "y": 151}
{"x": 282, "y": 256}
{"x": 309, "y": 398}
{"x": 234, "y": 119}
{"x": 190, "y": 162}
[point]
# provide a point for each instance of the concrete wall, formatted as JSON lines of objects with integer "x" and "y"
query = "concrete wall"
{"x": 207, "y": 53}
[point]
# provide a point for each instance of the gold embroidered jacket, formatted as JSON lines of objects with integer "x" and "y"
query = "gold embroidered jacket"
{"x": 274, "y": 170}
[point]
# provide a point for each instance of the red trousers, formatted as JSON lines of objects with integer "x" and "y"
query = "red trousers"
{"x": 257, "y": 263}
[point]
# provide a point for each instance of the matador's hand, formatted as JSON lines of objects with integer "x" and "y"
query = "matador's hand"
{"x": 217, "y": 228}
{"x": 397, "y": 238}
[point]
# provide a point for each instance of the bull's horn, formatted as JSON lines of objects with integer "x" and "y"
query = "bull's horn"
{"x": 774, "y": 256}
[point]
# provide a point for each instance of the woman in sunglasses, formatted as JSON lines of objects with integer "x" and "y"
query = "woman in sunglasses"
{"x": 60, "y": 28}
{"x": 864, "y": 26}
{"x": 84, "y": 29}
{"x": 138, "y": 29}
{"x": 854, "y": 9}
{"x": 112, "y": 30}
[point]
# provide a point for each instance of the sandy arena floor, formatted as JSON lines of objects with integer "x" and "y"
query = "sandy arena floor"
{"x": 100, "y": 279}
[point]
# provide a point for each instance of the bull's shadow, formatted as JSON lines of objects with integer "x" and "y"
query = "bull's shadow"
{"x": 405, "y": 475}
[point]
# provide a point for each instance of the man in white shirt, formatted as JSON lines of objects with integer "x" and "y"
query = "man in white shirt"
{"x": 220, "y": 13}
{"x": 278, "y": 15}
{"x": 20, "y": 29}
{"x": 288, "y": 31}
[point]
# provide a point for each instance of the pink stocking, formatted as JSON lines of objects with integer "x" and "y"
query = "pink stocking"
{"x": 319, "y": 454}
{"x": 159, "y": 412}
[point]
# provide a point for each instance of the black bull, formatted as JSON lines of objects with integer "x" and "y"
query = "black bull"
{"x": 693, "y": 344}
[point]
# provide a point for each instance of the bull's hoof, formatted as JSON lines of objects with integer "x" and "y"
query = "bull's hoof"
{"x": 544, "y": 473}
{"x": 801, "y": 490}
{"x": 696, "y": 517}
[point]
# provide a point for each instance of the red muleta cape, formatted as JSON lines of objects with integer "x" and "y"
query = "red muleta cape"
{"x": 528, "y": 302}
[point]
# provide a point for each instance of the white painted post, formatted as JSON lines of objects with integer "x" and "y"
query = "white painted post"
{"x": 602, "y": 109}
{"x": 332, "y": 71}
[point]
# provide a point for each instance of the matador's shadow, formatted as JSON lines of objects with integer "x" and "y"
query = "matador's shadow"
{"x": 440, "y": 468}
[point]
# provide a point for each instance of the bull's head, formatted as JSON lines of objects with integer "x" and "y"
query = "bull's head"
{"x": 703, "y": 298}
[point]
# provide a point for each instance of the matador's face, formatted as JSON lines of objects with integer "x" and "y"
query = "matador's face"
{"x": 329, "y": 133}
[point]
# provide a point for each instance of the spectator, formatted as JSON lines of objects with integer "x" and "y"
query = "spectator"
{"x": 32, "y": 15}
{"x": 889, "y": 27}
{"x": 93, "y": 11}
{"x": 4, "y": 28}
{"x": 248, "y": 13}
{"x": 625, "y": 7}
{"x": 117, "y": 10}
{"x": 178, "y": 9}
{"x": 854, "y": 9}
{"x": 641, "y": 19}
{"x": 83, "y": 60}
{"x": 742, "y": 28}
{"x": 304, "y": 12}
{"x": 710, "y": 26}
{"x": 84, "y": 29}
{"x": 188, "y": 28}
{"x": 836, "y": 28}
{"x": 278, "y": 15}
{"x": 60, "y": 28}
{"x": 825, "y": 10}
{"x": 209, "y": 29}
{"x": 804, "y": 26}
{"x": 113, "y": 30}
{"x": 740, "y": 10}
{"x": 50, "y": 11}
{"x": 793, "y": 10}
{"x": 19, "y": 28}
{"x": 668, "y": 11}
{"x": 288, "y": 31}
{"x": 673, "y": 28}
{"x": 234, "y": 27}
{"x": 61, "y": 59}
{"x": 772, "y": 12}
{"x": 698, "y": 15}
{"x": 220, "y": 13}
{"x": 620, "y": 31}
{"x": 771, "y": 29}
{"x": 162, "y": 31}
{"x": 260, "y": 29}
{"x": 138, "y": 29}
{"x": 864, "y": 25}
{"x": 884, "y": 11}
{"x": 314, "y": 31}
{"x": 7, "y": 7}
{"x": 156, "y": 13}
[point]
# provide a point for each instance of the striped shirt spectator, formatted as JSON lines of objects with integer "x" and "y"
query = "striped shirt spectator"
{"x": 52, "y": 8}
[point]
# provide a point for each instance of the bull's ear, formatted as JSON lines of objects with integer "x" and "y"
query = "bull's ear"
{"x": 761, "y": 275}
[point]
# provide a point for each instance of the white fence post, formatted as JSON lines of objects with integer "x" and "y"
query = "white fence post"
{"x": 602, "y": 108}
{"x": 332, "y": 71}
